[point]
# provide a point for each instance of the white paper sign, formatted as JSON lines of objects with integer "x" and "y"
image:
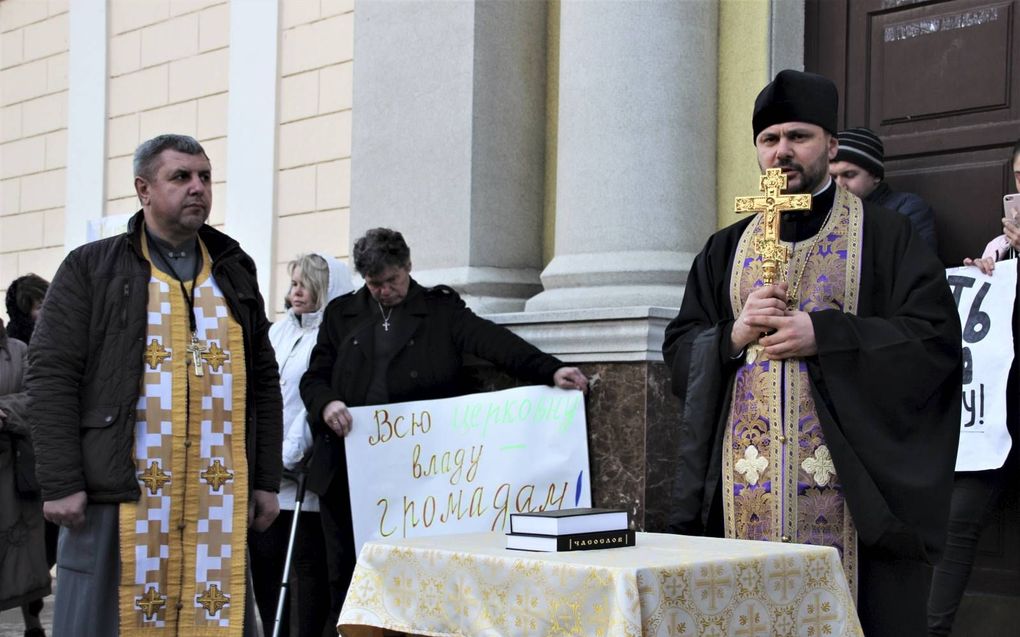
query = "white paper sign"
{"x": 985, "y": 304}
{"x": 459, "y": 465}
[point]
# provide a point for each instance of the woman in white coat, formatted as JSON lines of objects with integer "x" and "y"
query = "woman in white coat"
{"x": 315, "y": 281}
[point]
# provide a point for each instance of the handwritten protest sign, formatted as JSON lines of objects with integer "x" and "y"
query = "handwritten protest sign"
{"x": 464, "y": 464}
{"x": 985, "y": 304}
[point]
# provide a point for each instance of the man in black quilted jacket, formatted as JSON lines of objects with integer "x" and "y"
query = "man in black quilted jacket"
{"x": 156, "y": 414}
{"x": 859, "y": 167}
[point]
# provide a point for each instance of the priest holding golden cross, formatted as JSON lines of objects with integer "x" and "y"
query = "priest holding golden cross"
{"x": 774, "y": 255}
{"x": 840, "y": 426}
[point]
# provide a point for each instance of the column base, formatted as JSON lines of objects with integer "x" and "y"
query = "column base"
{"x": 613, "y": 279}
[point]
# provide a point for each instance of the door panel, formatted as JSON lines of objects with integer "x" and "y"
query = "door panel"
{"x": 938, "y": 81}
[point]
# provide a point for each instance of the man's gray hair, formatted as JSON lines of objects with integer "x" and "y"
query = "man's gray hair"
{"x": 147, "y": 152}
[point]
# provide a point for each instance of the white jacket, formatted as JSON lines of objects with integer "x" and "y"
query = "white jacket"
{"x": 293, "y": 337}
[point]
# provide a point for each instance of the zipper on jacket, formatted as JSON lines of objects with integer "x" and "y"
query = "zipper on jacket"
{"x": 124, "y": 304}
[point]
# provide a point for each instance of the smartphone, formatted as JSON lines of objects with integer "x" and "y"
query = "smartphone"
{"x": 1011, "y": 207}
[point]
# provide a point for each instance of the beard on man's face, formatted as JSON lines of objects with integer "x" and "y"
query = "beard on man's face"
{"x": 805, "y": 179}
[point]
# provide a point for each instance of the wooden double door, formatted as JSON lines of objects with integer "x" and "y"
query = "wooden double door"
{"x": 940, "y": 83}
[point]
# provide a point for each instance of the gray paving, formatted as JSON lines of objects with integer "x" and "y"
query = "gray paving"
{"x": 12, "y": 625}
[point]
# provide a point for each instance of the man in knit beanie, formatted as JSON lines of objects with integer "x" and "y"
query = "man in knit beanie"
{"x": 859, "y": 168}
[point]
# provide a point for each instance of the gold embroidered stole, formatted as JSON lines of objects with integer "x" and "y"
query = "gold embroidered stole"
{"x": 779, "y": 481}
{"x": 183, "y": 544}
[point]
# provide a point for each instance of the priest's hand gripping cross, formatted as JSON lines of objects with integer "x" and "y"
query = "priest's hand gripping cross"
{"x": 773, "y": 254}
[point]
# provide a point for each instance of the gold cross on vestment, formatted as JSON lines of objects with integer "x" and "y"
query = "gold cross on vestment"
{"x": 215, "y": 357}
{"x": 151, "y": 602}
{"x": 773, "y": 254}
{"x": 155, "y": 354}
{"x": 197, "y": 350}
{"x": 154, "y": 478}
{"x": 213, "y": 600}
{"x": 216, "y": 475}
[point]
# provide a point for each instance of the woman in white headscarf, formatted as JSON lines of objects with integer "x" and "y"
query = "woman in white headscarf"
{"x": 315, "y": 281}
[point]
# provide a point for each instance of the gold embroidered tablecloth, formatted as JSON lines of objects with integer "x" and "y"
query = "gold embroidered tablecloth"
{"x": 667, "y": 585}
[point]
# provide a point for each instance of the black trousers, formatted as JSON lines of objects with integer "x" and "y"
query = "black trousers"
{"x": 891, "y": 594}
{"x": 309, "y": 593}
{"x": 338, "y": 532}
{"x": 975, "y": 494}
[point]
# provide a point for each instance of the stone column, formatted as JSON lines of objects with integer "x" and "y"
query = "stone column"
{"x": 86, "y": 120}
{"x": 635, "y": 163}
{"x": 252, "y": 131}
{"x": 449, "y": 140}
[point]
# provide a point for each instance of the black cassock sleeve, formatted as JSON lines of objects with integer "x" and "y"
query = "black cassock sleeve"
{"x": 886, "y": 382}
{"x": 696, "y": 350}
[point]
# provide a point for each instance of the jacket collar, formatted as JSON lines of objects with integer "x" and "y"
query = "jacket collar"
{"x": 414, "y": 303}
{"x": 880, "y": 191}
{"x": 217, "y": 243}
{"x": 306, "y": 320}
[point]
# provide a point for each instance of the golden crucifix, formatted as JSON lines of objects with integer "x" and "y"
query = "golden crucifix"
{"x": 773, "y": 254}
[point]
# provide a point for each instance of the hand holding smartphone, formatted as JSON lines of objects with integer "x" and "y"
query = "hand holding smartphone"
{"x": 1011, "y": 208}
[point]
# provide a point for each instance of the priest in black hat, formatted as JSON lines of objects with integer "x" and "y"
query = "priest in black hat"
{"x": 825, "y": 408}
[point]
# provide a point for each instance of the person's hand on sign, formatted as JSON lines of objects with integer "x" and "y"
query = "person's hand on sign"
{"x": 570, "y": 378}
{"x": 337, "y": 417}
{"x": 985, "y": 264}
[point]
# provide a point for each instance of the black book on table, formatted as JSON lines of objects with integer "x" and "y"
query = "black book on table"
{"x": 569, "y": 521}
{"x": 573, "y": 542}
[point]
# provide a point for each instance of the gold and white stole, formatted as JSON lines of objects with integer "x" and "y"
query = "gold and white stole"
{"x": 183, "y": 544}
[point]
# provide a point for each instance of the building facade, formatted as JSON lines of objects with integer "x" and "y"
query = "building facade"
{"x": 558, "y": 162}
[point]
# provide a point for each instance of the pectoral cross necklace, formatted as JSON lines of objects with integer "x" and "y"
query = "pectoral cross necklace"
{"x": 385, "y": 316}
{"x": 196, "y": 348}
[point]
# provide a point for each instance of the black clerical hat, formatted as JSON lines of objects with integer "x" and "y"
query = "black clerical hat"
{"x": 795, "y": 96}
{"x": 863, "y": 147}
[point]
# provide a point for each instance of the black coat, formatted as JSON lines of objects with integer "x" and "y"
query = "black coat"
{"x": 921, "y": 216}
{"x": 886, "y": 383}
{"x": 85, "y": 367}
{"x": 436, "y": 330}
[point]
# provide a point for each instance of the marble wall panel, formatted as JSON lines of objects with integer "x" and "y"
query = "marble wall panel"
{"x": 632, "y": 423}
